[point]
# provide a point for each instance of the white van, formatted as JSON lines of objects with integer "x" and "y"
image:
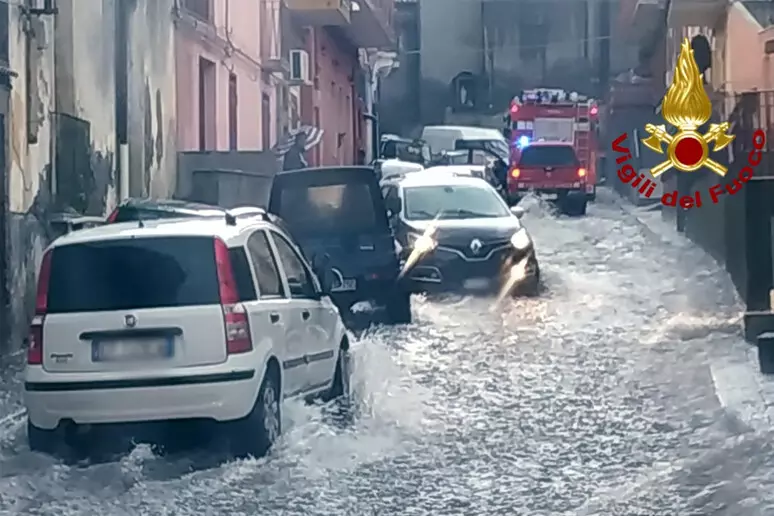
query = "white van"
{"x": 442, "y": 137}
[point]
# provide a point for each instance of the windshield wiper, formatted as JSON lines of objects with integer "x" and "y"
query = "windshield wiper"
{"x": 469, "y": 214}
{"x": 423, "y": 213}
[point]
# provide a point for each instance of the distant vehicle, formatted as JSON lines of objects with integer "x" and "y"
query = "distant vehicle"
{"x": 396, "y": 167}
{"x": 554, "y": 115}
{"x": 63, "y": 223}
{"x": 339, "y": 212}
{"x": 178, "y": 321}
{"x": 392, "y": 146}
{"x": 134, "y": 209}
{"x": 552, "y": 170}
{"x": 457, "y": 233}
{"x": 443, "y": 137}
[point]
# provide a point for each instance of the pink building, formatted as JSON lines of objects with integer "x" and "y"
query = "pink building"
{"x": 331, "y": 32}
{"x": 224, "y": 98}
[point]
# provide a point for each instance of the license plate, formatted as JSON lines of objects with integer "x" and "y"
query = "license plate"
{"x": 346, "y": 286}
{"x": 131, "y": 350}
{"x": 476, "y": 283}
{"x": 550, "y": 197}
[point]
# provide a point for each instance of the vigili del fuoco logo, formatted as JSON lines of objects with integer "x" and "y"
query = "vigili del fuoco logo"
{"x": 686, "y": 107}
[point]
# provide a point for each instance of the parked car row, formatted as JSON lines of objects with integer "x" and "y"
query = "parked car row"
{"x": 183, "y": 313}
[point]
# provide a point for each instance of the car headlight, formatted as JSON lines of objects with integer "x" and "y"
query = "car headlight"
{"x": 422, "y": 243}
{"x": 521, "y": 240}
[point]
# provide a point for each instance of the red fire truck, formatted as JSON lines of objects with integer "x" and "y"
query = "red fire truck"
{"x": 553, "y": 115}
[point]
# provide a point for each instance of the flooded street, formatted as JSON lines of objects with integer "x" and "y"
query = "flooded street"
{"x": 598, "y": 397}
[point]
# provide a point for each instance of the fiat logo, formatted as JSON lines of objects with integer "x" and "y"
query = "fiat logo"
{"x": 130, "y": 321}
{"x": 475, "y": 246}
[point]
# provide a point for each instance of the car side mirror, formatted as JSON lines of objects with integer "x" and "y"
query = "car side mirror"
{"x": 518, "y": 211}
{"x": 321, "y": 266}
{"x": 394, "y": 205}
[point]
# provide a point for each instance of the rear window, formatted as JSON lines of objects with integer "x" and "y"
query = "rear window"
{"x": 548, "y": 156}
{"x": 133, "y": 273}
{"x": 329, "y": 208}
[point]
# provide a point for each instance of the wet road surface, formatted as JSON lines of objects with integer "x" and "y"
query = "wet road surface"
{"x": 599, "y": 397}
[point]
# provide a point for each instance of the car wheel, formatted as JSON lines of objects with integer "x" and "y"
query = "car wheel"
{"x": 44, "y": 441}
{"x": 340, "y": 386}
{"x": 398, "y": 308}
{"x": 255, "y": 434}
{"x": 531, "y": 286}
{"x": 573, "y": 206}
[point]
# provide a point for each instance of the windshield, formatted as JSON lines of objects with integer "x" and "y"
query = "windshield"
{"x": 339, "y": 208}
{"x": 452, "y": 202}
{"x": 133, "y": 273}
{"x": 548, "y": 156}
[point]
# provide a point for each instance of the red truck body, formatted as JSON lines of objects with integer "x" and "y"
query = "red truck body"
{"x": 553, "y": 117}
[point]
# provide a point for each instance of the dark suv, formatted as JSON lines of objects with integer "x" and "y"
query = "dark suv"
{"x": 339, "y": 212}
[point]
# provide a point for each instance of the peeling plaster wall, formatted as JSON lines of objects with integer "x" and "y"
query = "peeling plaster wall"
{"x": 30, "y": 158}
{"x": 85, "y": 71}
{"x": 151, "y": 93}
{"x": 62, "y": 129}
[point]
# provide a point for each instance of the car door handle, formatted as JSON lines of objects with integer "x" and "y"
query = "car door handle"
{"x": 305, "y": 315}
{"x": 274, "y": 318}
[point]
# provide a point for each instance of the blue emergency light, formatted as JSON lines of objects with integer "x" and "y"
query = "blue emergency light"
{"x": 523, "y": 141}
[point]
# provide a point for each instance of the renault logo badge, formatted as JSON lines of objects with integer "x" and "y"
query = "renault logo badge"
{"x": 130, "y": 321}
{"x": 475, "y": 246}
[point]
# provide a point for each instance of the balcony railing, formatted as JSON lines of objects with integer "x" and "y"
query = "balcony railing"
{"x": 321, "y": 12}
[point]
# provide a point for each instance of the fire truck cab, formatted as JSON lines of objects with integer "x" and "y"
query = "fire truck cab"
{"x": 553, "y": 116}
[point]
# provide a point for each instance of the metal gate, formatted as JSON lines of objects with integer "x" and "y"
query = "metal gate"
{"x": 226, "y": 178}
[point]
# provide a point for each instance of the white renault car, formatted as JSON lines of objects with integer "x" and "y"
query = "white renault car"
{"x": 179, "y": 319}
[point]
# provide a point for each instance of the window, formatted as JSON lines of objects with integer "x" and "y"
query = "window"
{"x": 299, "y": 279}
{"x": 206, "y": 104}
{"x": 242, "y": 274}
{"x": 548, "y": 156}
{"x": 269, "y": 282}
{"x": 266, "y": 121}
{"x": 154, "y": 273}
{"x": 338, "y": 208}
{"x": 452, "y": 202}
{"x": 233, "y": 112}
{"x": 200, "y": 8}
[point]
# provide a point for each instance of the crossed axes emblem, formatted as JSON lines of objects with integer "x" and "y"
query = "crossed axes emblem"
{"x": 716, "y": 134}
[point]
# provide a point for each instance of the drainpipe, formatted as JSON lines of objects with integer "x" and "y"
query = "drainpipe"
{"x": 377, "y": 64}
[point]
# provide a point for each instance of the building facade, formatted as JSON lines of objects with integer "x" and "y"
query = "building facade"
{"x": 88, "y": 109}
{"x": 477, "y": 56}
{"x": 226, "y": 98}
{"x": 331, "y": 94}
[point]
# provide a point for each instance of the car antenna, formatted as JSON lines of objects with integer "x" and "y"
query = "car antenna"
{"x": 140, "y": 222}
{"x": 230, "y": 219}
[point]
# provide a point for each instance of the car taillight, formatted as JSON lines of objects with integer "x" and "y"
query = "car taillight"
{"x": 581, "y": 172}
{"x": 515, "y": 173}
{"x": 237, "y": 325}
{"x": 35, "y": 341}
{"x": 113, "y": 216}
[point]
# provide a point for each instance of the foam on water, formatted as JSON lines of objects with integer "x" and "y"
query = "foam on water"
{"x": 596, "y": 398}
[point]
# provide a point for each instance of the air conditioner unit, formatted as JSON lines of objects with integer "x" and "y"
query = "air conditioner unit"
{"x": 300, "y": 69}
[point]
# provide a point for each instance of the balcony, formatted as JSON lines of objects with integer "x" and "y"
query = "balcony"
{"x": 320, "y": 13}
{"x": 371, "y": 25}
{"x": 696, "y": 13}
{"x": 647, "y": 16}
